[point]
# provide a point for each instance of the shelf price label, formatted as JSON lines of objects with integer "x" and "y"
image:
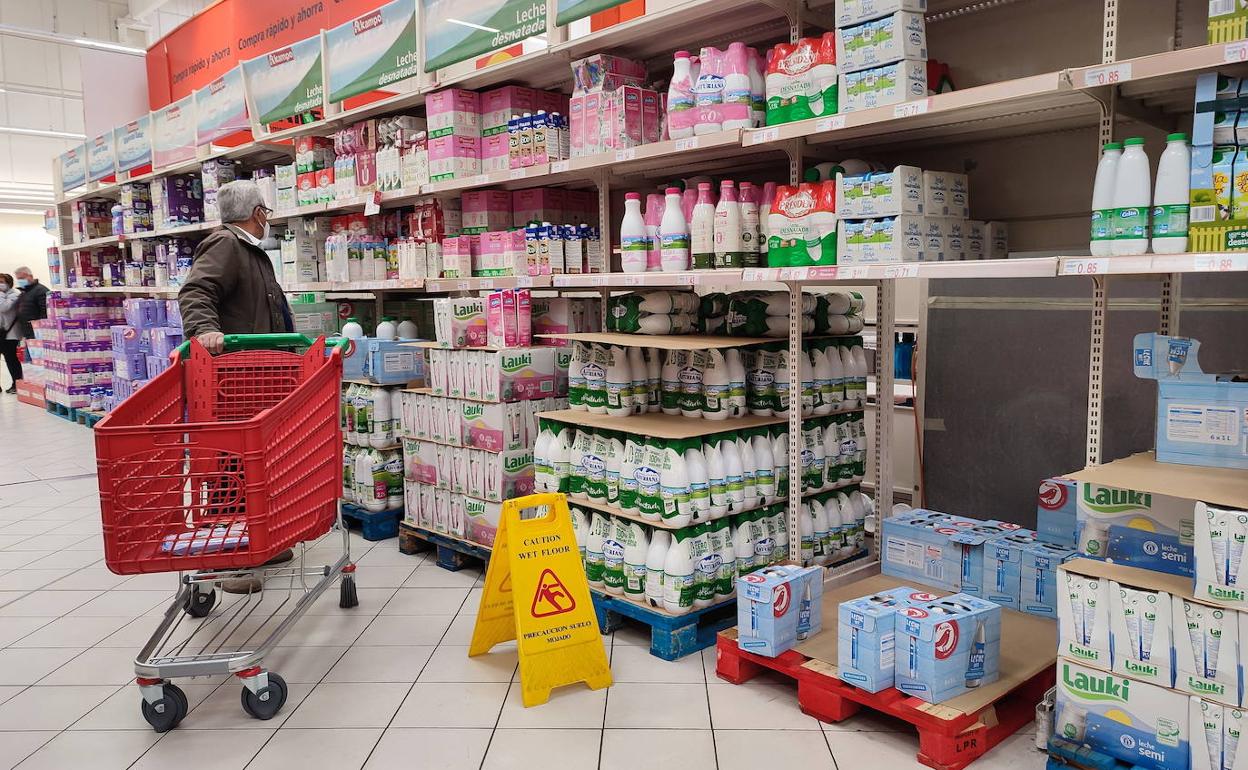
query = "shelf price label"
{"x": 1098, "y": 266}
{"x": 834, "y": 123}
{"x": 852, "y": 272}
{"x": 626, "y": 154}
{"x": 910, "y": 109}
{"x": 901, "y": 271}
{"x": 1236, "y": 52}
{"x": 1220, "y": 263}
{"x": 1109, "y": 75}
{"x": 518, "y": 173}
{"x": 463, "y": 285}
{"x": 599, "y": 280}
{"x": 524, "y": 281}
{"x": 688, "y": 143}
{"x": 764, "y": 135}
{"x": 560, "y": 166}
{"x": 372, "y": 205}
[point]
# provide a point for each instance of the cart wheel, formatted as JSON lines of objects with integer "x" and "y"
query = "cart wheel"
{"x": 347, "y": 597}
{"x": 199, "y": 603}
{"x": 268, "y": 701}
{"x": 166, "y": 713}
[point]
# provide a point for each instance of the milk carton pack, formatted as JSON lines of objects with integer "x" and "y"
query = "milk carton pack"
{"x": 916, "y": 547}
{"x": 486, "y": 210}
{"x": 894, "y": 83}
{"x": 493, "y": 427}
{"x": 866, "y": 640}
{"x": 1142, "y": 633}
{"x": 880, "y": 193}
{"x": 899, "y": 35}
{"x": 1139, "y": 529}
{"x": 1219, "y": 550}
{"x": 1083, "y": 619}
{"x": 460, "y": 322}
{"x": 1003, "y": 568}
{"x": 850, "y": 12}
{"x": 945, "y": 194}
{"x": 481, "y": 518}
{"x": 1057, "y": 514}
{"x": 1206, "y": 657}
{"x": 1038, "y": 592}
{"x": 1215, "y": 736}
{"x": 950, "y": 646}
{"x": 453, "y": 156}
{"x": 1140, "y": 723}
{"x": 972, "y": 542}
{"x": 453, "y": 112}
{"x": 881, "y": 240}
{"x": 777, "y": 607}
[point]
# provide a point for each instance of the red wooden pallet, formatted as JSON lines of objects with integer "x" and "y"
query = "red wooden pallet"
{"x": 949, "y": 739}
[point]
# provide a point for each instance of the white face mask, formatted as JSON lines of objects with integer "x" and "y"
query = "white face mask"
{"x": 4, "y": 287}
{"x": 268, "y": 231}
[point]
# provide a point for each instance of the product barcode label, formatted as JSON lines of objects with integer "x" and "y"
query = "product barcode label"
{"x": 1221, "y": 8}
{"x": 834, "y": 123}
{"x": 463, "y": 285}
{"x": 518, "y": 173}
{"x": 1107, "y": 75}
{"x": 1203, "y": 214}
{"x": 599, "y": 280}
{"x": 1235, "y": 52}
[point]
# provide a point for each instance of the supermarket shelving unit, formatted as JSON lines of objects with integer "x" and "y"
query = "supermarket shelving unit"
{"x": 1097, "y": 91}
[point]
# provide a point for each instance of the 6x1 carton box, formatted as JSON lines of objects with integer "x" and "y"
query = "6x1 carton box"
{"x": 950, "y": 645}
{"x": 777, "y": 606}
{"x": 1057, "y": 511}
{"x": 1206, "y": 658}
{"x": 866, "y": 636}
{"x": 880, "y": 193}
{"x": 917, "y": 547}
{"x": 1038, "y": 579}
{"x": 1142, "y": 633}
{"x": 1083, "y": 618}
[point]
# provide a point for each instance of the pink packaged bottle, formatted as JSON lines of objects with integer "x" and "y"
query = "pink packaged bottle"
{"x": 689, "y": 199}
{"x": 738, "y": 99}
{"x": 709, "y": 92}
{"x": 655, "y": 203}
{"x": 680, "y": 98}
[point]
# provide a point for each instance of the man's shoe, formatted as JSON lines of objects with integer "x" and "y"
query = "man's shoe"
{"x": 253, "y": 585}
{"x": 12, "y": 389}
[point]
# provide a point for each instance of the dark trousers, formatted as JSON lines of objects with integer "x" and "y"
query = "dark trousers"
{"x": 9, "y": 349}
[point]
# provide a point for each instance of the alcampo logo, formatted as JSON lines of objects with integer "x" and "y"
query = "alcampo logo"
{"x": 1097, "y": 688}
{"x": 945, "y": 639}
{"x": 1110, "y": 500}
{"x": 516, "y": 362}
{"x": 781, "y": 599}
{"x": 365, "y": 23}
{"x": 278, "y": 58}
{"x": 1052, "y": 496}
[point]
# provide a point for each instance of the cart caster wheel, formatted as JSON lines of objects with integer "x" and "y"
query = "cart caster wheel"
{"x": 265, "y": 704}
{"x": 347, "y": 596}
{"x": 166, "y": 713}
{"x": 198, "y": 604}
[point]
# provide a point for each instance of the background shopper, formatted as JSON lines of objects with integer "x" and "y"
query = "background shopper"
{"x": 10, "y": 333}
{"x": 33, "y": 303}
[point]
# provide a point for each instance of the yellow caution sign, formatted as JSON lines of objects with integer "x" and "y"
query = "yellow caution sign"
{"x": 536, "y": 593}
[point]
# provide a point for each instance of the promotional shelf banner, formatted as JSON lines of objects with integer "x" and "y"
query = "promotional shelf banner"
{"x": 74, "y": 167}
{"x": 221, "y": 108}
{"x": 102, "y": 158}
{"x": 571, "y": 10}
{"x": 133, "y": 143}
{"x": 454, "y": 33}
{"x": 372, "y": 51}
{"x": 287, "y": 81}
{"x": 173, "y": 132}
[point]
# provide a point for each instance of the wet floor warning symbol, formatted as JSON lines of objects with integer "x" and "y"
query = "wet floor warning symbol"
{"x": 556, "y": 631}
{"x": 552, "y": 598}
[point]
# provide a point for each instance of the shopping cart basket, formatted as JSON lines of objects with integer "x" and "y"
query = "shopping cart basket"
{"x": 215, "y": 467}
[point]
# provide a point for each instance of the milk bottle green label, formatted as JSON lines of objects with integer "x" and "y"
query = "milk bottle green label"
{"x": 706, "y": 561}
{"x": 594, "y": 467}
{"x": 649, "y": 502}
{"x": 1131, "y": 222}
{"x": 595, "y": 544}
{"x": 630, "y": 467}
{"x": 595, "y": 374}
{"x": 613, "y": 557}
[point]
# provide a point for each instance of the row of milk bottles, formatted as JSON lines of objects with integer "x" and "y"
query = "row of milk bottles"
{"x": 716, "y": 384}
{"x": 833, "y": 528}
{"x": 695, "y": 228}
{"x": 372, "y": 478}
{"x": 389, "y": 328}
{"x": 370, "y": 414}
{"x": 678, "y": 570}
{"x": 1121, "y": 200}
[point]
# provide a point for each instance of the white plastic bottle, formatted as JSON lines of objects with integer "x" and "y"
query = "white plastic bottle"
{"x": 781, "y": 387}
{"x": 823, "y": 538}
{"x": 388, "y": 329}
{"x": 1132, "y": 199}
{"x": 382, "y": 434}
{"x": 758, "y": 86}
{"x": 780, "y": 457}
{"x": 619, "y": 381}
{"x": 1170, "y": 197}
{"x": 649, "y": 478}
{"x": 635, "y": 242}
{"x": 806, "y": 527}
{"x": 699, "y": 483}
{"x": 716, "y": 386}
{"x": 669, "y": 384}
{"x": 580, "y": 529}
{"x": 860, "y": 371}
{"x": 691, "y": 384}
{"x": 823, "y": 373}
{"x": 678, "y": 573}
{"x": 544, "y": 478}
{"x": 637, "y": 369}
{"x": 1102, "y": 244}
{"x": 831, "y": 455}
{"x": 743, "y": 547}
{"x": 860, "y": 504}
{"x": 377, "y": 481}
{"x": 702, "y": 230}
{"x": 595, "y": 543}
{"x": 656, "y": 560}
{"x": 576, "y": 376}
{"x": 348, "y": 473}
{"x": 615, "y": 459}
{"x": 749, "y": 472}
{"x": 581, "y": 443}
{"x": 595, "y": 373}
{"x": 636, "y": 551}
{"x": 729, "y": 250}
{"x": 750, "y": 225}
{"x": 737, "y": 86}
{"x": 353, "y": 329}
{"x": 680, "y": 98}
{"x": 736, "y": 383}
{"x": 559, "y": 449}
{"x": 848, "y": 364}
{"x": 726, "y": 584}
{"x": 408, "y": 330}
{"x": 613, "y": 556}
{"x": 705, "y": 567}
{"x": 806, "y": 369}
{"x": 654, "y": 379}
{"x": 779, "y": 527}
{"x": 835, "y": 394}
{"x": 673, "y": 235}
{"x": 765, "y": 470}
{"x": 633, "y": 458}
{"x": 716, "y": 479}
{"x": 733, "y": 473}
{"x": 674, "y": 487}
{"x": 838, "y": 532}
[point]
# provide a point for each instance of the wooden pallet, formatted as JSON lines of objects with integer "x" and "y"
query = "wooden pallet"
{"x": 671, "y": 636}
{"x": 373, "y": 525}
{"x": 453, "y": 553}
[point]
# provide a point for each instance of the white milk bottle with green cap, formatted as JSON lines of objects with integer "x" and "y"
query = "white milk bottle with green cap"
{"x": 649, "y": 500}
{"x": 749, "y": 472}
{"x": 804, "y": 371}
{"x": 824, "y": 377}
{"x": 702, "y": 230}
{"x": 392, "y": 460}
{"x": 595, "y": 373}
{"x": 582, "y": 440}
{"x": 654, "y": 378}
{"x": 733, "y": 473}
{"x": 847, "y": 515}
{"x": 765, "y": 467}
{"x": 656, "y": 559}
{"x": 636, "y": 549}
{"x": 580, "y": 529}
{"x": 348, "y": 473}
{"x": 1102, "y": 244}
{"x": 705, "y": 567}
{"x": 726, "y": 583}
{"x": 594, "y": 467}
{"x": 858, "y": 501}
{"x": 806, "y": 527}
{"x": 780, "y": 459}
{"x": 363, "y": 415}
{"x": 860, "y": 372}
{"x": 674, "y": 486}
{"x": 1132, "y": 200}
{"x": 595, "y": 542}
{"x": 699, "y": 482}
{"x": 1170, "y": 197}
{"x": 779, "y": 527}
{"x": 615, "y": 459}
{"x": 716, "y": 384}
{"x": 781, "y": 387}
{"x": 691, "y": 384}
{"x": 761, "y": 376}
{"x": 669, "y": 385}
{"x": 764, "y": 543}
{"x": 851, "y": 384}
{"x": 818, "y": 461}
{"x": 716, "y": 480}
{"x": 743, "y": 546}
{"x": 544, "y": 479}
{"x": 835, "y": 393}
{"x": 837, "y": 530}
{"x": 581, "y": 355}
{"x": 736, "y": 383}
{"x": 560, "y": 447}
{"x": 631, "y": 462}
{"x": 619, "y": 382}
{"x": 637, "y": 368}
{"x": 859, "y": 425}
{"x": 832, "y": 459}
{"x": 382, "y": 434}
{"x": 823, "y": 538}
{"x": 678, "y": 573}
{"x": 613, "y": 556}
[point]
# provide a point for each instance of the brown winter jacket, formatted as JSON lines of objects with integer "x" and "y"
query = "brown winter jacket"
{"x": 232, "y": 289}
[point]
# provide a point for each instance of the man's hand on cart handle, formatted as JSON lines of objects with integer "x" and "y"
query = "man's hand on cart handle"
{"x": 213, "y": 342}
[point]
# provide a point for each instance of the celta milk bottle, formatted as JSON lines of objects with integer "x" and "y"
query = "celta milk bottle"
{"x": 619, "y": 379}
{"x": 654, "y": 379}
{"x": 637, "y": 368}
{"x": 736, "y": 383}
{"x": 678, "y": 573}
{"x": 716, "y": 480}
{"x": 634, "y": 237}
{"x": 1170, "y": 197}
{"x": 636, "y": 549}
{"x": 576, "y": 376}
{"x": 1103, "y": 200}
{"x": 699, "y": 483}
{"x": 1132, "y": 199}
{"x": 673, "y": 235}
{"x": 656, "y": 560}
{"x": 702, "y": 230}
{"x": 669, "y": 385}
{"x": 595, "y": 543}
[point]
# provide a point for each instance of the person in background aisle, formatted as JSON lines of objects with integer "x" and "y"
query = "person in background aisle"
{"x": 10, "y": 334}
{"x": 232, "y": 288}
{"x": 33, "y": 304}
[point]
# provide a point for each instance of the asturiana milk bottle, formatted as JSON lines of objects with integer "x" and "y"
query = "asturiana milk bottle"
{"x": 680, "y": 98}
{"x": 1170, "y": 197}
{"x": 736, "y": 383}
{"x": 1132, "y": 199}
{"x": 716, "y": 480}
{"x": 702, "y": 230}
{"x": 636, "y": 550}
{"x": 716, "y": 386}
{"x": 635, "y": 242}
{"x": 678, "y": 580}
{"x": 595, "y": 545}
{"x": 729, "y": 249}
{"x": 673, "y": 235}
{"x": 656, "y": 560}
{"x": 1102, "y": 244}
{"x": 699, "y": 482}
{"x": 619, "y": 381}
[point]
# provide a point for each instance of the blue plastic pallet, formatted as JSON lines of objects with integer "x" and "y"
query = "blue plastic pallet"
{"x": 62, "y": 411}
{"x": 1064, "y": 755}
{"x": 374, "y": 525}
{"x": 671, "y": 636}
{"x": 453, "y": 554}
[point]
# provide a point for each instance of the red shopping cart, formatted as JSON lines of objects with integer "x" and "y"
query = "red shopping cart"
{"x": 211, "y": 470}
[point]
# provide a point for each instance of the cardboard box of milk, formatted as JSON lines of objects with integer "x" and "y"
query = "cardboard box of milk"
{"x": 1142, "y": 633}
{"x": 492, "y": 427}
{"x": 1083, "y": 618}
{"x": 1139, "y": 529}
{"x": 777, "y": 607}
{"x": 486, "y": 210}
{"x": 866, "y": 638}
{"x": 453, "y": 112}
{"x": 1206, "y": 658}
{"x": 880, "y": 193}
{"x": 1002, "y": 572}
{"x": 894, "y": 83}
{"x": 948, "y": 647}
{"x": 1038, "y": 584}
{"x": 900, "y": 35}
{"x": 945, "y": 194}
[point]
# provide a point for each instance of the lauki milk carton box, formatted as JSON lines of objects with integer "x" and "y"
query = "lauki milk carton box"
{"x": 1142, "y": 633}
{"x": 1215, "y": 735}
{"x": 1138, "y": 529}
{"x": 1206, "y": 657}
{"x": 866, "y": 638}
{"x": 1220, "y": 536}
{"x": 1083, "y": 619}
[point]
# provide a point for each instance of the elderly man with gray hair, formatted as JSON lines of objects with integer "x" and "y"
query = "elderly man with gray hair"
{"x": 232, "y": 288}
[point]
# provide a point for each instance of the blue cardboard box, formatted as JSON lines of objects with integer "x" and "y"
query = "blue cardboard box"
{"x": 1039, "y": 584}
{"x": 917, "y": 547}
{"x": 1057, "y": 511}
{"x": 1003, "y": 563}
{"x": 384, "y": 362}
{"x": 866, "y": 648}
{"x": 950, "y": 646}
{"x": 974, "y": 542}
{"x": 777, "y": 606}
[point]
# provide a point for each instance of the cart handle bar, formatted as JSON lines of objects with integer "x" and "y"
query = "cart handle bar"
{"x": 265, "y": 342}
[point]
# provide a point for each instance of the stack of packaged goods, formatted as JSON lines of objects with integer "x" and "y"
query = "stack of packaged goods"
{"x": 402, "y": 159}
{"x": 142, "y": 346}
{"x": 801, "y": 80}
{"x": 511, "y": 233}
{"x": 314, "y": 170}
{"x": 88, "y": 268}
{"x": 285, "y": 188}
{"x": 133, "y": 212}
{"x": 611, "y": 109}
{"x": 1218, "y": 209}
{"x": 471, "y": 133}
{"x": 91, "y": 218}
{"x": 73, "y": 342}
{"x": 213, "y": 174}
{"x": 881, "y": 53}
{"x": 177, "y": 200}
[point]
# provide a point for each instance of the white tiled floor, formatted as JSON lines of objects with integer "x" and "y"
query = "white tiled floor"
{"x": 386, "y": 685}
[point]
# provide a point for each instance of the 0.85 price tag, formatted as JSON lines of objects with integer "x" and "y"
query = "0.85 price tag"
{"x": 1110, "y": 74}
{"x": 1085, "y": 267}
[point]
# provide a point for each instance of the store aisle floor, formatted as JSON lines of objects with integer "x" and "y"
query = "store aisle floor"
{"x": 385, "y": 685}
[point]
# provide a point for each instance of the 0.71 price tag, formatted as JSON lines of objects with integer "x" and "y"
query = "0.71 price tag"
{"x": 901, "y": 271}
{"x": 834, "y": 123}
{"x": 764, "y": 135}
